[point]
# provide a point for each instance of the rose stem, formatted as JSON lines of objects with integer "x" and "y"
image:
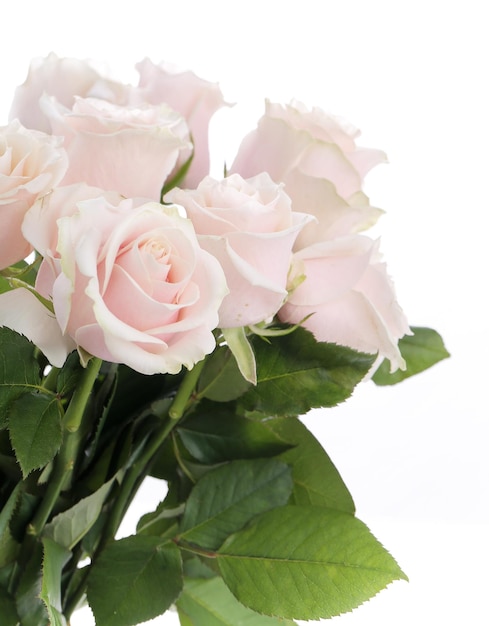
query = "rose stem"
{"x": 64, "y": 461}
{"x": 138, "y": 471}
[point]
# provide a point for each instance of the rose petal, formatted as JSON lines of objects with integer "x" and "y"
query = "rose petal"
{"x": 21, "y": 311}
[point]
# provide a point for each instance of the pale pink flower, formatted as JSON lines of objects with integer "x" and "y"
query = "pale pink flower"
{"x": 131, "y": 150}
{"x": 31, "y": 164}
{"x": 344, "y": 287}
{"x": 63, "y": 79}
{"x": 129, "y": 282}
{"x": 194, "y": 98}
{"x": 315, "y": 155}
{"x": 248, "y": 225}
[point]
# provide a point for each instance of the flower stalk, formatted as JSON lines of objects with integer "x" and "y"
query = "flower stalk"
{"x": 138, "y": 471}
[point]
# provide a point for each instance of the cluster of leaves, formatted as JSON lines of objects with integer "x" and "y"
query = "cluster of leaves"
{"x": 256, "y": 526}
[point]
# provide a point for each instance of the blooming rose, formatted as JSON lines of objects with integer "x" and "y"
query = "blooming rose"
{"x": 31, "y": 163}
{"x": 130, "y": 150}
{"x": 194, "y": 98}
{"x": 63, "y": 79}
{"x": 129, "y": 282}
{"x": 248, "y": 225}
{"x": 349, "y": 296}
{"x": 316, "y": 156}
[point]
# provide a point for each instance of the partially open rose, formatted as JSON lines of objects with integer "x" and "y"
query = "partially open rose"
{"x": 315, "y": 155}
{"x": 248, "y": 225}
{"x": 31, "y": 163}
{"x": 344, "y": 287}
{"x": 129, "y": 282}
{"x": 63, "y": 79}
{"x": 131, "y": 150}
{"x": 194, "y": 98}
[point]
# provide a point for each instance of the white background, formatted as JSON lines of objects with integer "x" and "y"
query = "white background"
{"x": 413, "y": 76}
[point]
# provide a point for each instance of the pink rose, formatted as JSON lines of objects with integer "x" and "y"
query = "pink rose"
{"x": 40, "y": 226}
{"x": 248, "y": 225}
{"x": 31, "y": 164}
{"x": 194, "y": 98}
{"x": 129, "y": 282}
{"x": 344, "y": 287}
{"x": 316, "y": 156}
{"x": 63, "y": 79}
{"x": 131, "y": 150}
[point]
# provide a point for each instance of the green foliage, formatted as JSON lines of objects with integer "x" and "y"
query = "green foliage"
{"x": 19, "y": 370}
{"x": 163, "y": 522}
{"x": 4, "y": 284}
{"x": 8, "y": 612}
{"x": 55, "y": 558}
{"x": 226, "y": 498}
{"x": 70, "y": 526}
{"x": 30, "y": 608}
{"x": 316, "y": 479}
{"x": 134, "y": 579}
{"x": 305, "y": 563}
{"x": 69, "y": 375}
{"x": 8, "y": 546}
{"x": 221, "y": 379}
{"x": 31, "y": 413}
{"x": 208, "y": 602}
{"x": 217, "y": 434}
{"x": 421, "y": 350}
{"x": 35, "y": 429}
{"x": 257, "y": 520}
{"x": 296, "y": 373}
{"x": 242, "y": 350}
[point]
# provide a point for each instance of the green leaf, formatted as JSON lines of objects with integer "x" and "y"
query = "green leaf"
{"x": 19, "y": 370}
{"x": 208, "y": 602}
{"x": 4, "y": 285}
{"x": 296, "y": 373}
{"x": 70, "y": 526}
{"x": 194, "y": 567}
{"x": 25, "y": 508}
{"x": 30, "y": 608}
{"x": 316, "y": 479}
{"x": 35, "y": 430}
{"x": 55, "y": 558}
{"x": 165, "y": 464}
{"x": 242, "y": 351}
{"x": 8, "y": 611}
{"x": 184, "y": 620}
{"x": 221, "y": 379}
{"x": 22, "y": 270}
{"x": 226, "y": 498}
{"x": 8, "y": 546}
{"x": 9, "y": 507}
{"x": 69, "y": 375}
{"x": 163, "y": 522}
{"x": 178, "y": 178}
{"x": 217, "y": 434}
{"x": 305, "y": 563}
{"x": 420, "y": 351}
{"x": 9, "y": 549}
{"x": 134, "y": 579}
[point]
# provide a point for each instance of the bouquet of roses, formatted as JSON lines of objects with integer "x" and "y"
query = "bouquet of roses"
{"x": 155, "y": 321}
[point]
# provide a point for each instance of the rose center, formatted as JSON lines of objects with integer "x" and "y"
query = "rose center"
{"x": 155, "y": 249}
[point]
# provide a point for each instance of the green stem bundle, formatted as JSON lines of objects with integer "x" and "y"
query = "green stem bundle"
{"x": 137, "y": 473}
